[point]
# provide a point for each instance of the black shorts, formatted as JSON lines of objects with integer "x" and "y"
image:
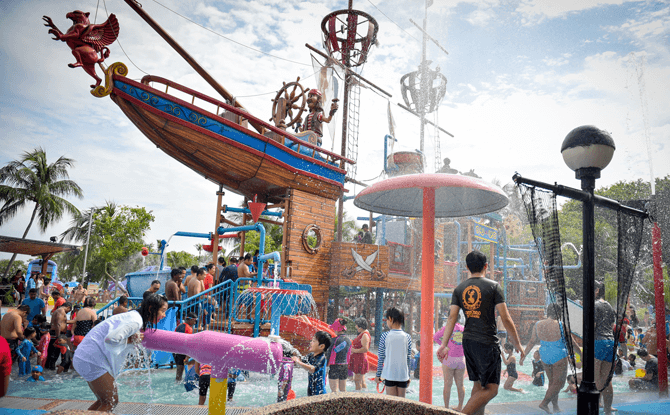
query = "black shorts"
{"x": 643, "y": 384}
{"x": 204, "y": 384}
{"x": 179, "y": 359}
{"x": 392, "y": 383}
{"x": 13, "y": 344}
{"x": 483, "y": 362}
{"x": 338, "y": 372}
{"x": 231, "y": 389}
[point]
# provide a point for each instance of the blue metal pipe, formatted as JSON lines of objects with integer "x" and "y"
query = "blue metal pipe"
{"x": 276, "y": 256}
{"x": 247, "y": 211}
{"x": 193, "y": 234}
{"x": 261, "y": 252}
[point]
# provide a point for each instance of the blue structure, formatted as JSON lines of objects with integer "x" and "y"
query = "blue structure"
{"x": 35, "y": 267}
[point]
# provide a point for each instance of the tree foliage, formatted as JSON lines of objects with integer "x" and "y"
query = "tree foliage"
{"x": 570, "y": 219}
{"x": 16, "y": 265}
{"x": 32, "y": 179}
{"x": 117, "y": 233}
{"x": 273, "y": 239}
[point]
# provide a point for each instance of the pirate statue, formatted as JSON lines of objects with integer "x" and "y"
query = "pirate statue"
{"x": 316, "y": 117}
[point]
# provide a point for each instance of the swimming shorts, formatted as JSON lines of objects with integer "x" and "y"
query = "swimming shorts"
{"x": 454, "y": 362}
{"x": 392, "y": 383}
{"x": 88, "y": 371}
{"x": 204, "y": 384}
{"x": 231, "y": 390}
{"x": 338, "y": 372}
{"x": 179, "y": 359}
{"x": 483, "y": 362}
{"x": 552, "y": 352}
{"x": 604, "y": 350}
{"x": 13, "y": 344}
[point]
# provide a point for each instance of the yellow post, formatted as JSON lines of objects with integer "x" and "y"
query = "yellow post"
{"x": 218, "y": 394}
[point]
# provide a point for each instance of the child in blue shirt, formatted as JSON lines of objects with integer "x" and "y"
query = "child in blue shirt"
{"x": 24, "y": 350}
{"x": 315, "y": 363}
{"x": 36, "y": 375}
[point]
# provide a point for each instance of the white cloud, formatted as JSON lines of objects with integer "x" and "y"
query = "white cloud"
{"x": 537, "y": 10}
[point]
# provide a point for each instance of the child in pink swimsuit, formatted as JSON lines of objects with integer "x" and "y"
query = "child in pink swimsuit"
{"x": 455, "y": 359}
{"x": 453, "y": 366}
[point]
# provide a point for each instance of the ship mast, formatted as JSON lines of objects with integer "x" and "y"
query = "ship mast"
{"x": 137, "y": 7}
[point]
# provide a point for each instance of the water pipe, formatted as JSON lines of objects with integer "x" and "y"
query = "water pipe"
{"x": 261, "y": 252}
{"x": 222, "y": 351}
{"x": 276, "y": 310}
{"x": 226, "y": 208}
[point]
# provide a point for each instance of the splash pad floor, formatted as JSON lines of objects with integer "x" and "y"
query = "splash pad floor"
{"x": 630, "y": 404}
{"x": 157, "y": 393}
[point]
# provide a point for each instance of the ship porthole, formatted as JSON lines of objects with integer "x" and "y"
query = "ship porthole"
{"x": 311, "y": 239}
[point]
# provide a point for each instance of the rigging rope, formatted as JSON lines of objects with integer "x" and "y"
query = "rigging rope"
{"x": 375, "y": 6}
{"x": 229, "y": 39}
{"x": 438, "y": 150}
{"x": 119, "y": 42}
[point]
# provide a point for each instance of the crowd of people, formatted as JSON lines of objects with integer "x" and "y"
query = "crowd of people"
{"x": 469, "y": 341}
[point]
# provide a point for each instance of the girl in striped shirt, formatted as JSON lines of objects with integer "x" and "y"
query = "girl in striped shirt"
{"x": 395, "y": 349}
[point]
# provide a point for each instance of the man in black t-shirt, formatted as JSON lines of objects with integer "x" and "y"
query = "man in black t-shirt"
{"x": 479, "y": 298}
{"x": 650, "y": 379}
{"x": 229, "y": 273}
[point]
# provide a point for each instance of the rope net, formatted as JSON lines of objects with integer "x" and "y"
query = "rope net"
{"x": 542, "y": 213}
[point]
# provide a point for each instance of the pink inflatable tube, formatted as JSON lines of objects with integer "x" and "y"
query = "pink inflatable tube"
{"x": 221, "y": 350}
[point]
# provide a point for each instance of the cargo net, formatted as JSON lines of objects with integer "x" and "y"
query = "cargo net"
{"x": 543, "y": 217}
{"x": 267, "y": 301}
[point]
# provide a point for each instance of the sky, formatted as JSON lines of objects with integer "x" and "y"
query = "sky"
{"x": 521, "y": 75}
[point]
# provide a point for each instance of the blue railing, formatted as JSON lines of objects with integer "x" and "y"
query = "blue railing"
{"x": 219, "y": 306}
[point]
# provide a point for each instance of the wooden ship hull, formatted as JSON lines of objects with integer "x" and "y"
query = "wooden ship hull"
{"x": 220, "y": 147}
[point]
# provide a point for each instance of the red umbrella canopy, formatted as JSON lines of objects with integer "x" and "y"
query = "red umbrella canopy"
{"x": 455, "y": 196}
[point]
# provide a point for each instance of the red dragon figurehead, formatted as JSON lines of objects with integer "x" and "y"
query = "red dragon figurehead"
{"x": 79, "y": 17}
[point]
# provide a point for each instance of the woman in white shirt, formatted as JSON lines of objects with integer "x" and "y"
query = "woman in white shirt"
{"x": 102, "y": 353}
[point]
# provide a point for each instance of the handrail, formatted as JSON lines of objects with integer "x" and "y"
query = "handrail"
{"x": 226, "y": 294}
{"x": 151, "y": 78}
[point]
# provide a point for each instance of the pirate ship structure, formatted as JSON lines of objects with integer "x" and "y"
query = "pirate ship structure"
{"x": 225, "y": 143}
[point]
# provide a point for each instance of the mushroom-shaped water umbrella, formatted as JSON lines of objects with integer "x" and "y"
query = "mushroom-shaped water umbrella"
{"x": 428, "y": 196}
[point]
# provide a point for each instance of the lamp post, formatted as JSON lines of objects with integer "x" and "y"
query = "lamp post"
{"x": 587, "y": 150}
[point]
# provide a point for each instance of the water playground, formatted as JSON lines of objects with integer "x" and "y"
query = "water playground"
{"x": 425, "y": 225}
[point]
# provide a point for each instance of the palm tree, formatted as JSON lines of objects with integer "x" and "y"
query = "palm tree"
{"x": 32, "y": 179}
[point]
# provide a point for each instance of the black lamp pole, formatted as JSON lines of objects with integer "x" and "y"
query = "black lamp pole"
{"x": 588, "y": 396}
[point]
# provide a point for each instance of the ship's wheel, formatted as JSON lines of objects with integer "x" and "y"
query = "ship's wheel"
{"x": 290, "y": 102}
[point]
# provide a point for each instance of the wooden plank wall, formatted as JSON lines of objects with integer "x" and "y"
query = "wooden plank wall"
{"x": 343, "y": 266}
{"x": 306, "y": 209}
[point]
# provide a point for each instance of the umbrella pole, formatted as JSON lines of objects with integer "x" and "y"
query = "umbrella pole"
{"x": 427, "y": 295}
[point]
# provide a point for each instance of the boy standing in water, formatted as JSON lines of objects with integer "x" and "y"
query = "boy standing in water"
{"x": 339, "y": 357}
{"x": 479, "y": 298}
{"x": 315, "y": 363}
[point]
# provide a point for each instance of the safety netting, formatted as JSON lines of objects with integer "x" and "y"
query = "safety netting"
{"x": 542, "y": 212}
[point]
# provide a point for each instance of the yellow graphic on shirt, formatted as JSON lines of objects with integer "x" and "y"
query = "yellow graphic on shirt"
{"x": 472, "y": 299}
